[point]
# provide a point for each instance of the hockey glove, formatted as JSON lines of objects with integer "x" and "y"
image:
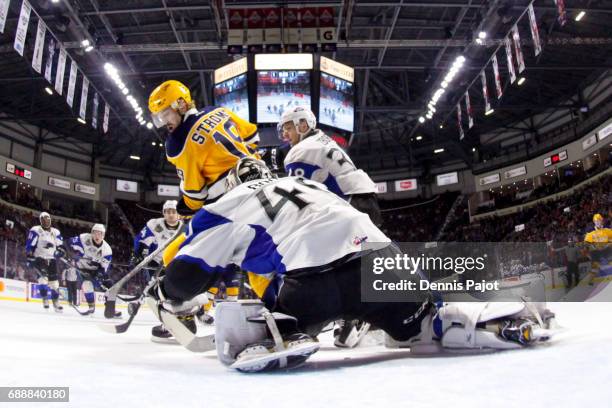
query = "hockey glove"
{"x": 30, "y": 260}
{"x": 60, "y": 252}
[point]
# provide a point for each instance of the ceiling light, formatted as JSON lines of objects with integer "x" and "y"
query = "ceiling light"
{"x": 580, "y": 15}
{"x": 49, "y": 90}
{"x": 490, "y": 111}
{"x": 421, "y": 119}
{"x": 473, "y": 149}
{"x": 135, "y": 157}
{"x": 150, "y": 126}
{"x": 125, "y": 91}
{"x": 429, "y": 115}
{"x": 482, "y": 35}
{"x": 438, "y": 151}
{"x": 444, "y": 84}
{"x": 441, "y": 126}
{"x": 521, "y": 81}
{"x": 479, "y": 41}
{"x": 85, "y": 43}
{"x": 88, "y": 48}
{"x": 81, "y": 121}
{"x": 419, "y": 137}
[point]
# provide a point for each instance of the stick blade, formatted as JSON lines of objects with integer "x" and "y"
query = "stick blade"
{"x": 184, "y": 336}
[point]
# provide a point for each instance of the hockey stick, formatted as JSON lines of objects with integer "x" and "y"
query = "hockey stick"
{"x": 189, "y": 340}
{"x": 112, "y": 292}
{"x": 122, "y": 327}
{"x": 85, "y": 313}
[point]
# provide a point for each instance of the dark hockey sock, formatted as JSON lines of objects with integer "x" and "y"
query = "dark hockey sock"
{"x": 90, "y": 298}
{"x": 54, "y": 294}
{"x": 43, "y": 291}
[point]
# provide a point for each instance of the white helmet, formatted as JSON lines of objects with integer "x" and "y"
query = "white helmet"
{"x": 170, "y": 204}
{"x": 44, "y": 214}
{"x": 295, "y": 115}
{"x": 98, "y": 227}
{"x": 247, "y": 169}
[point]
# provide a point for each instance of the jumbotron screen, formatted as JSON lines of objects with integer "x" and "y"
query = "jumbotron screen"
{"x": 278, "y": 91}
{"x": 233, "y": 95}
{"x": 336, "y": 103}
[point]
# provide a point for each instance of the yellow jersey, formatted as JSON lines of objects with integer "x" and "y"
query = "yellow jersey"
{"x": 599, "y": 236}
{"x": 205, "y": 147}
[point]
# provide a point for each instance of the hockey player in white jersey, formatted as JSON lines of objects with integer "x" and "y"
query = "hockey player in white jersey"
{"x": 297, "y": 230}
{"x": 155, "y": 233}
{"x": 316, "y": 156}
{"x": 43, "y": 245}
{"x": 92, "y": 257}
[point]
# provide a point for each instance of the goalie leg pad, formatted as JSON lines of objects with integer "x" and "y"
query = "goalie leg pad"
{"x": 472, "y": 326}
{"x": 234, "y": 331}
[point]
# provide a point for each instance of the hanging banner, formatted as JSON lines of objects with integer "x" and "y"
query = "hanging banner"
{"x": 84, "y": 91}
{"x": 105, "y": 120}
{"x": 272, "y": 24}
{"x": 4, "y": 6}
{"x": 94, "y": 113}
{"x": 59, "y": 74}
{"x": 39, "y": 46}
{"x": 562, "y": 12}
{"x": 459, "y": 124}
{"x": 235, "y": 33}
{"x": 22, "y": 27}
{"x": 535, "y": 34}
{"x": 255, "y": 24}
{"x": 49, "y": 64}
{"x": 71, "y": 83}
{"x": 308, "y": 20}
{"x": 517, "y": 49}
{"x": 509, "y": 59}
{"x": 485, "y": 91}
{"x": 468, "y": 109}
{"x": 498, "y": 84}
{"x": 291, "y": 31}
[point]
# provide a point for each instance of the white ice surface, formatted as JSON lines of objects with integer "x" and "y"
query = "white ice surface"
{"x": 42, "y": 348}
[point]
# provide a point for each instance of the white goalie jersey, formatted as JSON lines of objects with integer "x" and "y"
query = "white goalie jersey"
{"x": 276, "y": 225}
{"x": 319, "y": 158}
{"x": 89, "y": 255}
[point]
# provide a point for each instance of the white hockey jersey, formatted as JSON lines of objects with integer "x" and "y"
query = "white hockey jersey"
{"x": 90, "y": 255}
{"x": 42, "y": 243}
{"x": 155, "y": 233}
{"x": 276, "y": 226}
{"x": 319, "y": 158}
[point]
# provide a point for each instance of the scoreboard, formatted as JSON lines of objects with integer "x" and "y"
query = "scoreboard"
{"x": 18, "y": 171}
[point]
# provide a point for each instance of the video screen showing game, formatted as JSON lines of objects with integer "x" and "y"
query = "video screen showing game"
{"x": 278, "y": 91}
{"x": 336, "y": 103}
{"x": 233, "y": 95}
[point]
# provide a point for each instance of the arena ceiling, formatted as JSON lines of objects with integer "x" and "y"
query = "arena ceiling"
{"x": 400, "y": 50}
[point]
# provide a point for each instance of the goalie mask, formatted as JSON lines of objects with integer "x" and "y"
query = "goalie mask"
{"x": 247, "y": 169}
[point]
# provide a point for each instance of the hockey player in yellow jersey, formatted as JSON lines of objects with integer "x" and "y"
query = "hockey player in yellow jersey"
{"x": 599, "y": 239}
{"x": 203, "y": 145}
{"x": 600, "y": 234}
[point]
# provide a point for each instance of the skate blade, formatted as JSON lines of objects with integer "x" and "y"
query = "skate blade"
{"x": 248, "y": 363}
{"x": 164, "y": 340}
